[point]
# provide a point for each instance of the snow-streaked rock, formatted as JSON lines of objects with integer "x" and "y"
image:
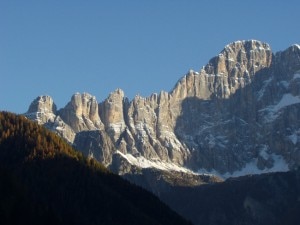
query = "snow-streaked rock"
{"x": 142, "y": 162}
{"x": 81, "y": 113}
{"x": 239, "y": 114}
{"x": 43, "y": 110}
{"x": 112, "y": 114}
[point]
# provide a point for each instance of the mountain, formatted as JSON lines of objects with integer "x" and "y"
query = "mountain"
{"x": 238, "y": 115}
{"x": 43, "y": 180}
{"x": 265, "y": 199}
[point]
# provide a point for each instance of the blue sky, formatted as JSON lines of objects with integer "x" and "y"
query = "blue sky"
{"x": 141, "y": 46}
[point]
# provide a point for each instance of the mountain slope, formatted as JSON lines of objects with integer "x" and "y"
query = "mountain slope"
{"x": 238, "y": 115}
{"x": 266, "y": 199}
{"x": 44, "y": 181}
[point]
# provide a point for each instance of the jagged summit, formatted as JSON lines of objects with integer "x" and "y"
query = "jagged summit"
{"x": 82, "y": 113}
{"x": 233, "y": 68}
{"x": 252, "y": 42}
{"x": 42, "y": 109}
{"x": 239, "y": 113}
{"x": 43, "y": 103}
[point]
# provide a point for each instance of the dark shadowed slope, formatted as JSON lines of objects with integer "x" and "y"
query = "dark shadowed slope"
{"x": 267, "y": 199}
{"x": 44, "y": 181}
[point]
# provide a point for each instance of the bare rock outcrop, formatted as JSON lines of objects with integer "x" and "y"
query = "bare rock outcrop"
{"x": 112, "y": 114}
{"x": 81, "y": 113}
{"x": 232, "y": 69}
{"x": 239, "y": 112}
{"x": 43, "y": 110}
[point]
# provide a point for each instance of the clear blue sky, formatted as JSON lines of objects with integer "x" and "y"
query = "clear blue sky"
{"x": 60, "y": 47}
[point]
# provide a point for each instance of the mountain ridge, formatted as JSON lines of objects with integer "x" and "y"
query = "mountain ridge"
{"x": 197, "y": 125}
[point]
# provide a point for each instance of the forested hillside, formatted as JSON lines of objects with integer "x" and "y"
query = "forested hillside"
{"x": 44, "y": 181}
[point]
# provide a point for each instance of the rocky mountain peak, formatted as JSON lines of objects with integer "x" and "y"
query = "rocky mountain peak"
{"x": 86, "y": 105}
{"x": 43, "y": 104}
{"x": 82, "y": 113}
{"x": 232, "y": 69}
{"x": 239, "y": 112}
{"x": 43, "y": 110}
{"x": 288, "y": 61}
{"x": 111, "y": 112}
{"x": 248, "y": 56}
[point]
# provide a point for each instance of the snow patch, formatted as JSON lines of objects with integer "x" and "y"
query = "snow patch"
{"x": 264, "y": 152}
{"x": 60, "y": 128}
{"x": 279, "y": 165}
{"x": 117, "y": 127}
{"x": 296, "y": 45}
{"x": 272, "y": 111}
{"x": 41, "y": 117}
{"x": 286, "y": 100}
{"x": 296, "y": 76}
{"x": 293, "y": 138}
{"x": 263, "y": 89}
{"x": 142, "y": 162}
{"x": 219, "y": 141}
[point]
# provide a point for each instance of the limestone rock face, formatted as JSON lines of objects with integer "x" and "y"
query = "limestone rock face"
{"x": 43, "y": 110}
{"x": 231, "y": 70}
{"x": 81, "y": 113}
{"x": 239, "y": 114}
{"x": 252, "y": 126}
{"x": 111, "y": 112}
{"x": 42, "y": 103}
